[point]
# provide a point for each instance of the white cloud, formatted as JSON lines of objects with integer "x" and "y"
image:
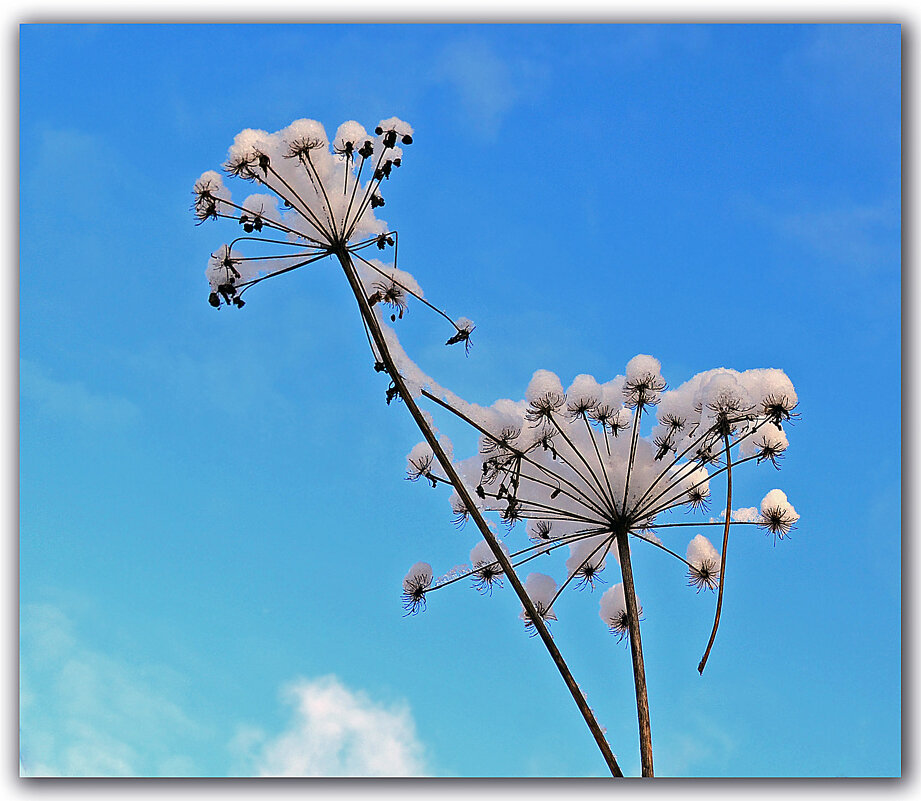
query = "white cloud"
{"x": 85, "y": 713}
{"x": 71, "y": 400}
{"x": 335, "y": 731}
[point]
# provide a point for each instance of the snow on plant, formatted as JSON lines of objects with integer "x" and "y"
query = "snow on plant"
{"x": 571, "y": 467}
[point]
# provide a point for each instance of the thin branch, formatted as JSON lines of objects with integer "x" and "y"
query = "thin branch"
{"x": 719, "y": 599}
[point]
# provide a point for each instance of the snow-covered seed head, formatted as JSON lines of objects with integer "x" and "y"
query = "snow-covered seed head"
{"x": 487, "y": 570}
{"x": 644, "y": 382}
{"x": 777, "y": 396}
{"x": 777, "y": 514}
{"x": 540, "y": 530}
{"x": 613, "y": 611}
{"x": 779, "y": 408}
{"x": 544, "y": 395}
{"x": 769, "y": 444}
{"x": 464, "y": 328}
{"x": 302, "y": 138}
{"x": 460, "y": 511}
{"x": 209, "y": 191}
{"x": 393, "y": 129}
{"x": 328, "y": 199}
{"x": 419, "y": 462}
{"x": 704, "y": 561}
{"x": 349, "y": 138}
{"x": 415, "y": 584}
{"x": 541, "y": 589}
{"x": 584, "y": 394}
{"x": 587, "y": 559}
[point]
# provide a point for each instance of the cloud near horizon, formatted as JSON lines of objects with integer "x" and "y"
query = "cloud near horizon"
{"x": 334, "y": 731}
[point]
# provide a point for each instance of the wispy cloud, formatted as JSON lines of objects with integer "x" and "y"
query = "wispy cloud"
{"x": 861, "y": 236}
{"x": 487, "y": 85}
{"x": 85, "y": 713}
{"x": 334, "y": 731}
{"x": 72, "y": 401}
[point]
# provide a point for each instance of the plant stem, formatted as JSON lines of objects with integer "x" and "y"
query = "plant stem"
{"x": 719, "y": 599}
{"x": 636, "y": 651}
{"x": 445, "y": 462}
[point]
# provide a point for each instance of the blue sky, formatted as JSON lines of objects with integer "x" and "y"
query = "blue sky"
{"x": 214, "y": 519}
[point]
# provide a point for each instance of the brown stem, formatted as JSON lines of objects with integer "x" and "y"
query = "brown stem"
{"x": 461, "y": 489}
{"x": 719, "y": 599}
{"x": 636, "y": 651}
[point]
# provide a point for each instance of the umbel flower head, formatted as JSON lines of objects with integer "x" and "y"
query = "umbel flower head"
{"x": 315, "y": 197}
{"x": 580, "y": 470}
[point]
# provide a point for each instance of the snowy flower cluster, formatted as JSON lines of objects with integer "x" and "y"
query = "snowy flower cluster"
{"x": 579, "y": 467}
{"x": 316, "y": 196}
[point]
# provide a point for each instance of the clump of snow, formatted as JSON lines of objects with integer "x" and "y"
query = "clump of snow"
{"x": 642, "y": 368}
{"x": 777, "y": 499}
{"x": 701, "y": 552}
{"x": 482, "y": 554}
{"x": 588, "y": 553}
{"x": 584, "y": 390}
{"x": 419, "y": 575}
{"x": 612, "y": 607}
{"x": 748, "y": 514}
{"x": 540, "y": 589}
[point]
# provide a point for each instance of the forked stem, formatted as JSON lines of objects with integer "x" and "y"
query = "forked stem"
{"x": 445, "y": 462}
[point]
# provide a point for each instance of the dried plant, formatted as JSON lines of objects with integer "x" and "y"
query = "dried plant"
{"x": 572, "y": 467}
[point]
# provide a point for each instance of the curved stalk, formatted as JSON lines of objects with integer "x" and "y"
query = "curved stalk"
{"x": 719, "y": 599}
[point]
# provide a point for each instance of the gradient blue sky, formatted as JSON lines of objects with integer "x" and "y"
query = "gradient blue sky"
{"x": 214, "y": 519}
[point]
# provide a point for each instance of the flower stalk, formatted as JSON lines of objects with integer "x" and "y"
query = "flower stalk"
{"x": 719, "y": 597}
{"x": 445, "y": 462}
{"x": 636, "y": 653}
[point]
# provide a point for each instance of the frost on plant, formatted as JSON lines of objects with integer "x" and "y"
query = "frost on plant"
{"x": 585, "y": 471}
{"x": 580, "y": 467}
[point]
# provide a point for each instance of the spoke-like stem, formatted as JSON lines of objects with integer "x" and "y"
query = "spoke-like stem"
{"x": 308, "y": 214}
{"x": 661, "y": 547}
{"x": 329, "y": 206}
{"x": 676, "y": 500}
{"x": 267, "y": 221}
{"x": 533, "y": 550}
{"x": 373, "y": 184}
{"x": 636, "y": 432}
{"x": 719, "y": 598}
{"x": 582, "y": 497}
{"x": 247, "y": 284}
{"x": 606, "y": 544}
{"x": 462, "y": 491}
{"x": 405, "y": 288}
{"x": 604, "y": 470}
{"x": 688, "y": 468}
{"x": 345, "y": 218}
{"x": 609, "y": 502}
